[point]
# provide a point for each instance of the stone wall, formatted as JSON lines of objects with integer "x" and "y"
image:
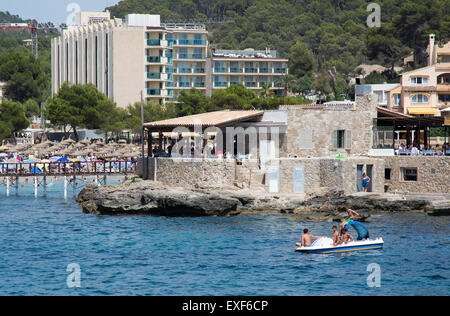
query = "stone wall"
{"x": 190, "y": 172}
{"x": 320, "y": 174}
{"x": 318, "y": 125}
{"x": 433, "y": 174}
{"x": 324, "y": 174}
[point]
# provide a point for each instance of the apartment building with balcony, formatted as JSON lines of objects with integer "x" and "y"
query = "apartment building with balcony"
{"x": 421, "y": 92}
{"x": 140, "y": 55}
{"x": 252, "y": 68}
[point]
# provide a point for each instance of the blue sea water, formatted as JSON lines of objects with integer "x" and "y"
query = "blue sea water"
{"x": 243, "y": 255}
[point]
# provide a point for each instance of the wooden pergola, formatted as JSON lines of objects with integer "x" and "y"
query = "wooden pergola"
{"x": 403, "y": 122}
{"x": 196, "y": 123}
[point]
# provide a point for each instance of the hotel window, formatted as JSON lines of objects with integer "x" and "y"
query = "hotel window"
{"x": 444, "y": 98}
{"x": 182, "y": 52}
{"x": 420, "y": 98}
{"x": 219, "y": 66}
{"x": 409, "y": 174}
{"x": 419, "y": 80}
{"x": 397, "y": 99}
{"x": 234, "y": 80}
{"x": 198, "y": 53}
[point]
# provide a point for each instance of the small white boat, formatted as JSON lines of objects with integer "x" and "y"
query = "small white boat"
{"x": 325, "y": 245}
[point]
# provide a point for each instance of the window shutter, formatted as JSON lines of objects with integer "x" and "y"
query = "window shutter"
{"x": 334, "y": 139}
{"x": 348, "y": 140}
{"x": 305, "y": 139}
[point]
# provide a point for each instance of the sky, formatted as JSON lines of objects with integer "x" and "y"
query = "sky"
{"x": 56, "y": 11}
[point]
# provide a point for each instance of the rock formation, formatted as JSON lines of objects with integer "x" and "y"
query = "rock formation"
{"x": 154, "y": 198}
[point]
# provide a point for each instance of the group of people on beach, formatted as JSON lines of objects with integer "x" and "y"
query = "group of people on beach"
{"x": 339, "y": 237}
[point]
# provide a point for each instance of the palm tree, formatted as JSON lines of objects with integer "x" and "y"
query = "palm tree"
{"x": 265, "y": 91}
{"x": 288, "y": 82}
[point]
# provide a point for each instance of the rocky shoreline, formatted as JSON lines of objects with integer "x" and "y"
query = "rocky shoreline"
{"x": 153, "y": 198}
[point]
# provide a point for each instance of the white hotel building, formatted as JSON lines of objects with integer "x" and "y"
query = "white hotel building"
{"x": 124, "y": 58}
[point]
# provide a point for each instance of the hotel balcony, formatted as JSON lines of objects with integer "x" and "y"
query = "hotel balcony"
{"x": 236, "y": 70}
{"x": 251, "y": 70}
{"x": 190, "y": 56}
{"x": 184, "y": 70}
{"x": 220, "y": 70}
{"x": 199, "y": 84}
{"x": 158, "y": 76}
{"x": 160, "y": 43}
{"x": 159, "y": 60}
{"x": 154, "y": 92}
{"x": 443, "y": 88}
{"x": 220, "y": 84}
{"x": 265, "y": 70}
{"x": 153, "y": 59}
{"x": 199, "y": 70}
{"x": 190, "y": 42}
{"x": 280, "y": 70}
{"x": 184, "y": 84}
{"x": 419, "y": 88}
{"x": 251, "y": 84}
{"x": 442, "y": 66}
{"x": 153, "y": 75}
{"x": 154, "y": 42}
{"x": 171, "y": 84}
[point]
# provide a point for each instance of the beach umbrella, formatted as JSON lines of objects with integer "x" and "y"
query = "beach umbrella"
{"x": 85, "y": 141}
{"x": 30, "y": 160}
{"x": 3, "y": 155}
{"x": 63, "y": 159}
{"x": 68, "y": 141}
{"x": 55, "y": 158}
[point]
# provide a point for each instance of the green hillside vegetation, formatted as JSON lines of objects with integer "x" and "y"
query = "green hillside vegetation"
{"x": 314, "y": 34}
{"x": 324, "y": 39}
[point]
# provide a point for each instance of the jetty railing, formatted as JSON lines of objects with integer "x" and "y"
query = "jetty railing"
{"x": 37, "y": 169}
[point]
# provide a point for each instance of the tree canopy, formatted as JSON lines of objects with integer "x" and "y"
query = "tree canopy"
{"x": 78, "y": 106}
{"x": 12, "y": 118}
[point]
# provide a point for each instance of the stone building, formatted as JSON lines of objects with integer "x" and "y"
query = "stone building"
{"x": 298, "y": 149}
{"x": 421, "y": 92}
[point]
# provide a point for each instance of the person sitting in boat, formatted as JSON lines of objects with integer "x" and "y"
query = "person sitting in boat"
{"x": 307, "y": 239}
{"x": 335, "y": 236}
{"x": 344, "y": 238}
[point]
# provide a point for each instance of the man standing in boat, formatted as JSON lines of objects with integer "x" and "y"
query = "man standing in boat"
{"x": 351, "y": 216}
{"x": 307, "y": 239}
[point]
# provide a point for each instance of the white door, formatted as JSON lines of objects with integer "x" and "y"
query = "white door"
{"x": 299, "y": 179}
{"x": 266, "y": 151}
{"x": 274, "y": 179}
